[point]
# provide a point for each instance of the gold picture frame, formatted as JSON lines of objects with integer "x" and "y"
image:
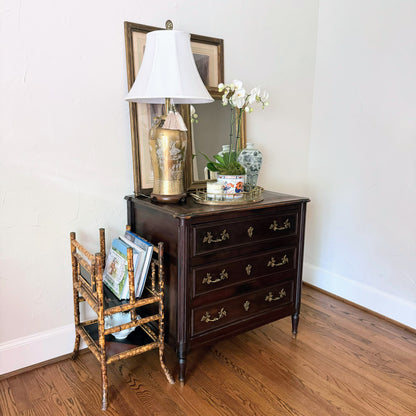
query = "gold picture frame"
{"x": 209, "y": 54}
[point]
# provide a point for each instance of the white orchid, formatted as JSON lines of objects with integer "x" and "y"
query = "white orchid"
{"x": 237, "y": 84}
{"x": 235, "y": 95}
{"x": 254, "y": 93}
{"x": 238, "y": 99}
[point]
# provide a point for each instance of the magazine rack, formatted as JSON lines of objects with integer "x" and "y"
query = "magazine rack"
{"x": 148, "y": 323}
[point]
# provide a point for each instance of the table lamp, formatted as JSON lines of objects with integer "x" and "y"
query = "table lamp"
{"x": 168, "y": 75}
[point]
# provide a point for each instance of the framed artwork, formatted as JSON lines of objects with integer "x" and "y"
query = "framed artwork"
{"x": 209, "y": 58}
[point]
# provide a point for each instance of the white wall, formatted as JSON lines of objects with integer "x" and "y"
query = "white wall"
{"x": 65, "y": 135}
{"x": 361, "y": 175}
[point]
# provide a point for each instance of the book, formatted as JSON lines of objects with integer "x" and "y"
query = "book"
{"x": 141, "y": 255}
{"x": 115, "y": 274}
{"x": 140, "y": 244}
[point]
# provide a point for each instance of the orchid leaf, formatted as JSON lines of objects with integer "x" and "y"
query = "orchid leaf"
{"x": 220, "y": 159}
{"x": 212, "y": 167}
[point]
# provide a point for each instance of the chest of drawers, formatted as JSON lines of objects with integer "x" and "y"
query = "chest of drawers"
{"x": 229, "y": 268}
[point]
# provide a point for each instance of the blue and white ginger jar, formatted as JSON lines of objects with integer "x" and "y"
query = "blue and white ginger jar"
{"x": 251, "y": 159}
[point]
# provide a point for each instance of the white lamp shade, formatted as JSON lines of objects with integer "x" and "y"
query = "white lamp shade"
{"x": 168, "y": 70}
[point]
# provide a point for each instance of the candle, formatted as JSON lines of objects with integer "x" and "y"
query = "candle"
{"x": 214, "y": 191}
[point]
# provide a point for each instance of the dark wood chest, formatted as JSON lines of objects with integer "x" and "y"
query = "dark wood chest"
{"x": 229, "y": 269}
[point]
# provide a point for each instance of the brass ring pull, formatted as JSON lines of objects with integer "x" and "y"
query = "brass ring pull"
{"x": 208, "y": 278}
{"x": 270, "y": 298}
{"x": 250, "y": 231}
{"x": 272, "y": 262}
{"x": 275, "y": 226}
{"x": 209, "y": 238}
{"x": 207, "y": 316}
{"x": 248, "y": 269}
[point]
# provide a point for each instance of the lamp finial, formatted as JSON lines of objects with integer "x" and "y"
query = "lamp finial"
{"x": 169, "y": 25}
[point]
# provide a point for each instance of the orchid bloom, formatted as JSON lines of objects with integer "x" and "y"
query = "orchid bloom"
{"x": 235, "y": 95}
{"x": 238, "y": 85}
{"x": 264, "y": 96}
{"x": 239, "y": 98}
{"x": 254, "y": 93}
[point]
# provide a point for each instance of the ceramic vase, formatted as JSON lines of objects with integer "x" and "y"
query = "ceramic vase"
{"x": 225, "y": 149}
{"x": 232, "y": 186}
{"x": 251, "y": 159}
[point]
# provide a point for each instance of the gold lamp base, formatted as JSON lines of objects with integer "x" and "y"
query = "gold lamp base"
{"x": 168, "y": 199}
{"x": 167, "y": 152}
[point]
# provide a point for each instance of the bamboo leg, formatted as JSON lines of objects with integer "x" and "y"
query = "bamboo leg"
{"x": 76, "y": 346}
{"x": 101, "y": 336}
{"x": 162, "y": 316}
{"x": 162, "y": 343}
{"x": 75, "y": 296}
{"x": 163, "y": 365}
{"x": 104, "y": 382}
{"x": 102, "y": 244}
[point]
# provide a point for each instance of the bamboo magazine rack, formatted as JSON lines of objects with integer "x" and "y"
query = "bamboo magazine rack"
{"x": 148, "y": 323}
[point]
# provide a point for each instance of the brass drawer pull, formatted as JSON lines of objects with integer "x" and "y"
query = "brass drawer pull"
{"x": 248, "y": 269}
{"x": 270, "y": 298}
{"x": 207, "y": 317}
{"x": 275, "y": 226}
{"x": 210, "y": 239}
{"x": 208, "y": 278}
{"x": 250, "y": 231}
{"x": 246, "y": 305}
{"x": 272, "y": 262}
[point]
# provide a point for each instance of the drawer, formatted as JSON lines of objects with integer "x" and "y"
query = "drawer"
{"x": 280, "y": 263}
{"x": 222, "y": 313}
{"x": 212, "y": 237}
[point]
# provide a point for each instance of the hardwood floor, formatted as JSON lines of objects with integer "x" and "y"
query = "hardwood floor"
{"x": 343, "y": 362}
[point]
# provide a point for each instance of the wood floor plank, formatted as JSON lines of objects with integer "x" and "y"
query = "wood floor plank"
{"x": 187, "y": 395}
{"x": 20, "y": 394}
{"x": 89, "y": 393}
{"x": 359, "y": 358}
{"x": 285, "y": 377}
{"x": 142, "y": 384}
{"x": 346, "y": 367}
{"x": 348, "y": 313}
{"x": 7, "y": 401}
{"x": 344, "y": 362}
{"x": 245, "y": 397}
{"x": 268, "y": 392}
{"x": 207, "y": 389}
{"x": 326, "y": 378}
{"x": 184, "y": 395}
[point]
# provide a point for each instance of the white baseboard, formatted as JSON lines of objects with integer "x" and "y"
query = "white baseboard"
{"x": 26, "y": 351}
{"x": 33, "y": 349}
{"x": 383, "y": 303}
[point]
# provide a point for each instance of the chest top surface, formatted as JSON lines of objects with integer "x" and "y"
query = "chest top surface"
{"x": 191, "y": 209}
